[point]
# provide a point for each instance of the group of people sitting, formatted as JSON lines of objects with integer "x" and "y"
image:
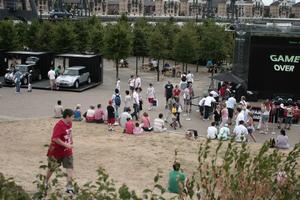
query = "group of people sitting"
{"x": 99, "y": 115}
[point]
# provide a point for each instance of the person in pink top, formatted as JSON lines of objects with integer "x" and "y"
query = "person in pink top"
{"x": 224, "y": 115}
{"x": 146, "y": 122}
{"x": 137, "y": 129}
{"x": 129, "y": 126}
{"x": 99, "y": 114}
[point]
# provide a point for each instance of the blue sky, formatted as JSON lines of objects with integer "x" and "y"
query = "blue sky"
{"x": 268, "y": 2}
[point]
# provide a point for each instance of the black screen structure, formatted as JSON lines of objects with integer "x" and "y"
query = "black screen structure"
{"x": 274, "y": 65}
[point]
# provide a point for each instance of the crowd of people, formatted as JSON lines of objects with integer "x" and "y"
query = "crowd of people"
{"x": 230, "y": 119}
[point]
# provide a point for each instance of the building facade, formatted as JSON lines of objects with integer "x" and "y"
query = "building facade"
{"x": 296, "y": 10}
{"x": 281, "y": 9}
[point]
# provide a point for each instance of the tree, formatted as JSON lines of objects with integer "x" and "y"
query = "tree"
{"x": 96, "y": 34}
{"x": 8, "y": 36}
{"x": 21, "y": 29}
{"x": 216, "y": 44}
{"x": 157, "y": 47}
{"x": 117, "y": 43}
{"x": 31, "y": 35}
{"x": 185, "y": 46}
{"x": 82, "y": 36}
{"x": 64, "y": 38}
{"x": 45, "y": 36}
{"x": 140, "y": 45}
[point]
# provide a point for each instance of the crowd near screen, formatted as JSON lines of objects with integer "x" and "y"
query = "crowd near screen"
{"x": 274, "y": 64}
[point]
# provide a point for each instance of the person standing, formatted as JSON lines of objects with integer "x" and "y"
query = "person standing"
{"x": 17, "y": 78}
{"x": 190, "y": 78}
{"x": 127, "y": 101}
{"x": 289, "y": 116}
{"x": 116, "y": 100}
{"x": 60, "y": 150}
{"x": 51, "y": 76}
{"x": 136, "y": 104}
{"x": 224, "y": 114}
{"x": 110, "y": 115}
{"x": 138, "y": 82}
{"x": 250, "y": 126}
{"x": 168, "y": 92}
{"x": 118, "y": 84}
{"x": 231, "y": 103}
{"x": 131, "y": 83}
{"x": 217, "y": 115}
{"x": 239, "y": 117}
{"x": 150, "y": 95}
{"x": 176, "y": 92}
{"x": 208, "y": 106}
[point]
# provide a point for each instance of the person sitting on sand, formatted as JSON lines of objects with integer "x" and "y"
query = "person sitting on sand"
{"x": 137, "y": 129}
{"x": 177, "y": 180}
{"x": 159, "y": 124}
{"x": 129, "y": 126}
{"x": 99, "y": 114}
{"x": 240, "y": 132}
{"x": 212, "y": 131}
{"x": 191, "y": 134}
{"x": 77, "y": 113}
{"x": 224, "y": 133}
{"x": 58, "y": 110}
{"x": 146, "y": 122}
{"x": 123, "y": 117}
{"x": 90, "y": 114}
{"x": 282, "y": 140}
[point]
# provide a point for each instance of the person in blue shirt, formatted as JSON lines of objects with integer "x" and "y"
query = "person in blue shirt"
{"x": 177, "y": 180}
{"x": 17, "y": 78}
{"x": 77, "y": 113}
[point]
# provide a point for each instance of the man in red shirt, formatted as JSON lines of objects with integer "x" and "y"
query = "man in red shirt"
{"x": 60, "y": 150}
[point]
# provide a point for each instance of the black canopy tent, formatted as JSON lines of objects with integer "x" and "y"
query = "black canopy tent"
{"x": 45, "y": 59}
{"x": 94, "y": 64}
{"x": 229, "y": 77}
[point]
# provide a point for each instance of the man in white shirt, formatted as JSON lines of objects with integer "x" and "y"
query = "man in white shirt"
{"x": 51, "y": 76}
{"x": 240, "y": 116}
{"x": 212, "y": 131}
{"x": 131, "y": 83}
{"x": 230, "y": 103}
{"x": 208, "y": 106}
{"x": 215, "y": 95}
{"x": 136, "y": 103}
{"x": 201, "y": 105}
{"x": 138, "y": 82}
{"x": 190, "y": 77}
{"x": 240, "y": 132}
{"x": 159, "y": 124}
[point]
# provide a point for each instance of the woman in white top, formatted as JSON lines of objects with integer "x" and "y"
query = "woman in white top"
{"x": 150, "y": 95}
{"x": 250, "y": 126}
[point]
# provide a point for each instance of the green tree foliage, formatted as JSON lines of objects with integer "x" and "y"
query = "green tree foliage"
{"x": 8, "y": 36}
{"x": 21, "y": 29}
{"x": 185, "y": 46}
{"x": 157, "y": 43}
{"x": 45, "y": 36}
{"x": 64, "y": 38}
{"x": 96, "y": 42}
{"x": 140, "y": 44}
{"x": 82, "y": 33}
{"x": 215, "y": 43}
{"x": 31, "y": 36}
{"x": 117, "y": 43}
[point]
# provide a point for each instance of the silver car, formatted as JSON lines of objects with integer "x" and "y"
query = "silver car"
{"x": 74, "y": 77}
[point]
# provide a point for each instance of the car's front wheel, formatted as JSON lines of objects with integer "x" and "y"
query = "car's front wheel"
{"x": 76, "y": 84}
{"x": 89, "y": 81}
{"x": 40, "y": 77}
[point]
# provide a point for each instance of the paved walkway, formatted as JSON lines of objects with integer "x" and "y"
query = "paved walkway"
{"x": 40, "y": 103}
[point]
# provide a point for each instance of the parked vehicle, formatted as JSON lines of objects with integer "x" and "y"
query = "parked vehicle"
{"x": 25, "y": 69}
{"x": 74, "y": 77}
{"x": 56, "y": 14}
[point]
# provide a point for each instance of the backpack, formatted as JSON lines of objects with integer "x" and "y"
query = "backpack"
{"x": 118, "y": 100}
